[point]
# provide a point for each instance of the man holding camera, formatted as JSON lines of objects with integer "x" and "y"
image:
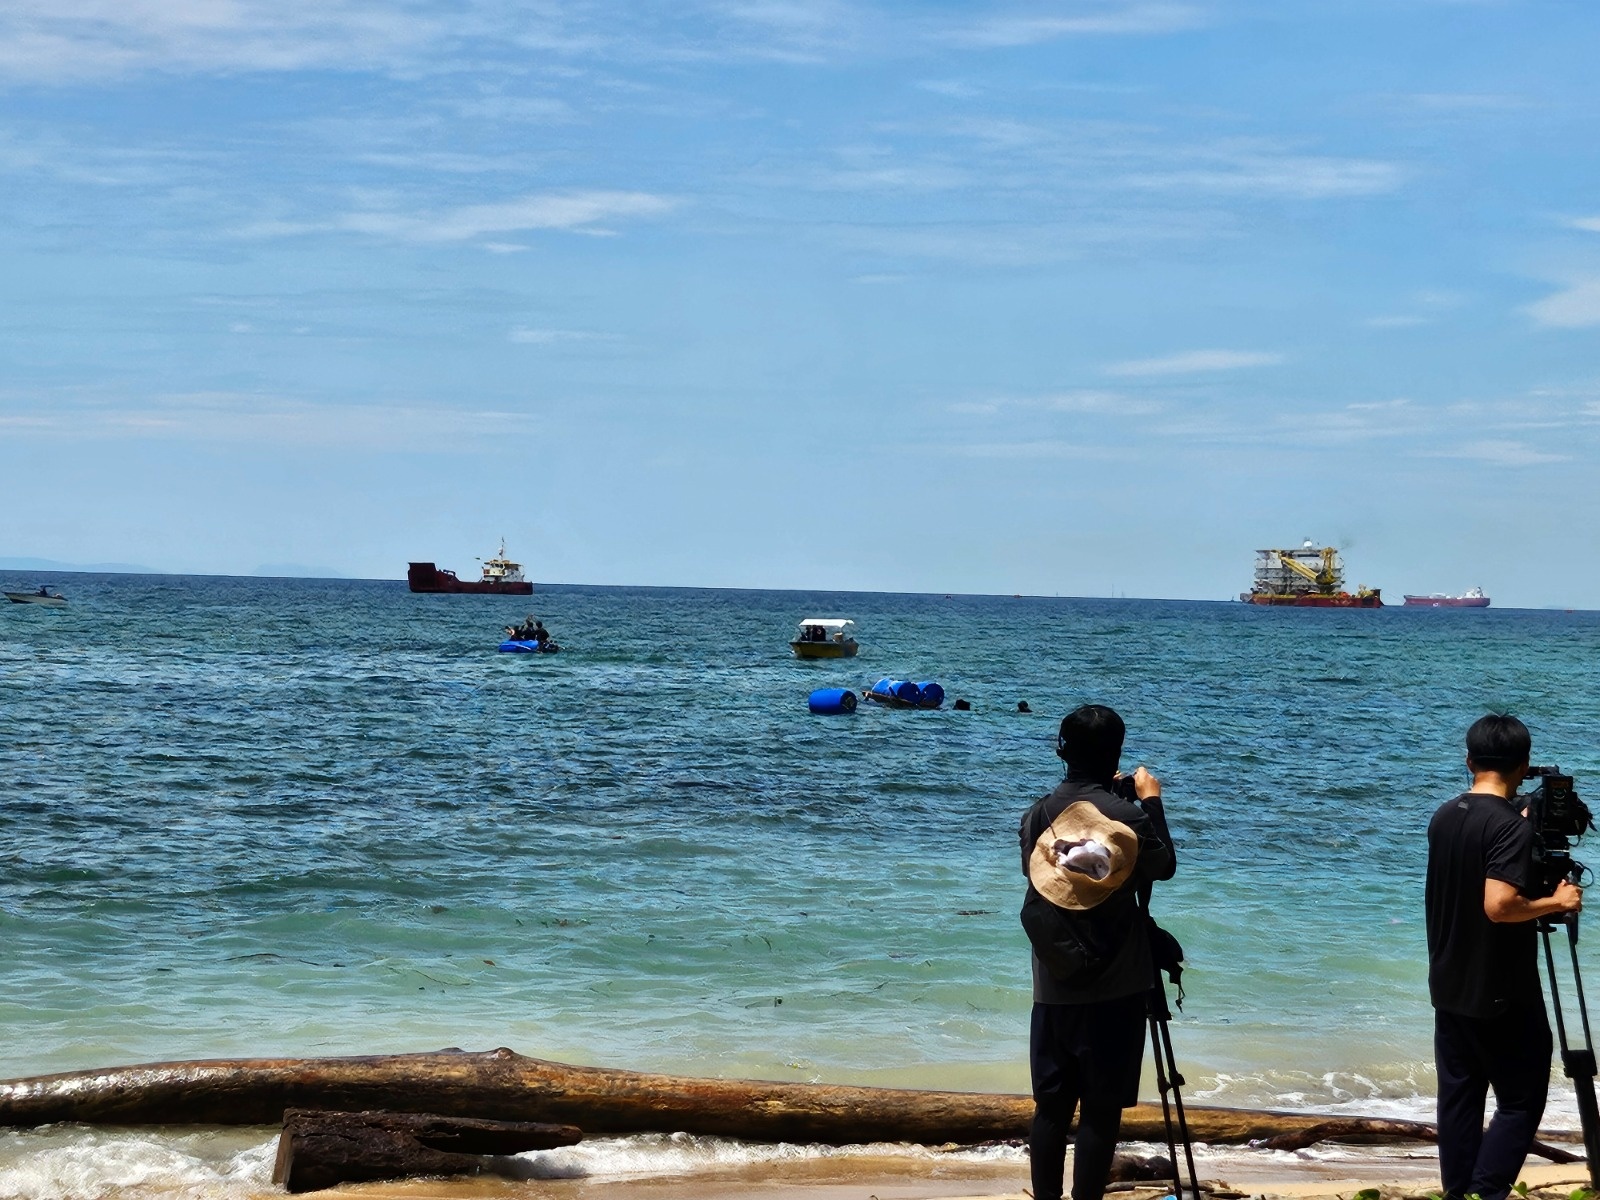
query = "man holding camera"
{"x": 1088, "y": 850}
{"x": 1483, "y": 906}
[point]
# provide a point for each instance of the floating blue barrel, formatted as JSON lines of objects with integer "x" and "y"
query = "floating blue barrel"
{"x": 898, "y": 691}
{"x": 829, "y": 702}
{"x": 513, "y": 646}
{"x": 931, "y": 695}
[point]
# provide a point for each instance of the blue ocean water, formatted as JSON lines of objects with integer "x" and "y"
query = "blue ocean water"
{"x": 264, "y": 817}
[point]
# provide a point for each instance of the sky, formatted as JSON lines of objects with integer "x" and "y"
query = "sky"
{"x": 1093, "y": 297}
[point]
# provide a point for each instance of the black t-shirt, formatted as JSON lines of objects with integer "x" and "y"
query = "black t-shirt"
{"x": 1478, "y": 968}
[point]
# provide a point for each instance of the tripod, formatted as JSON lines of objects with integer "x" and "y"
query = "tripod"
{"x": 1577, "y": 1063}
{"x": 1168, "y": 1080}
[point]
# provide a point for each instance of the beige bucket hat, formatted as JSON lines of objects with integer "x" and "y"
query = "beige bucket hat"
{"x": 1082, "y": 857}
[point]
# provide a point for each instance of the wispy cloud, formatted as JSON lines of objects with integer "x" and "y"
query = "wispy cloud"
{"x": 247, "y": 417}
{"x": 1577, "y": 306}
{"x": 572, "y": 211}
{"x": 1306, "y": 177}
{"x": 1194, "y": 362}
{"x": 1025, "y": 29}
{"x": 1395, "y": 322}
{"x": 1499, "y": 454}
{"x": 47, "y": 40}
{"x": 1083, "y": 402}
{"x": 557, "y": 337}
{"x": 1040, "y": 448}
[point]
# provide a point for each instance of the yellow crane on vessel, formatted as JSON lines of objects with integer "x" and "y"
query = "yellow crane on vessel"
{"x": 1326, "y": 579}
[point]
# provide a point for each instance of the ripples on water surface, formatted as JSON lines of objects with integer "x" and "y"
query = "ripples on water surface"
{"x": 251, "y": 817}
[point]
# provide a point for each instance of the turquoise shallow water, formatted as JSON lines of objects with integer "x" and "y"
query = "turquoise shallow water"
{"x": 250, "y": 817}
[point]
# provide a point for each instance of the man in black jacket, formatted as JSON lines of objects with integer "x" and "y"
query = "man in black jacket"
{"x": 1087, "y": 851}
{"x": 1489, "y": 1027}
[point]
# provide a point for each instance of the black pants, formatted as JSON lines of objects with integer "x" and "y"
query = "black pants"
{"x": 1511, "y": 1054}
{"x": 1083, "y": 1056}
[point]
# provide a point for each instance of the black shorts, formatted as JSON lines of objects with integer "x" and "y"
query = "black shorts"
{"x": 1093, "y": 1051}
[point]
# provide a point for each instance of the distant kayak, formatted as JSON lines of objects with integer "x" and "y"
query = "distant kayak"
{"x": 513, "y": 646}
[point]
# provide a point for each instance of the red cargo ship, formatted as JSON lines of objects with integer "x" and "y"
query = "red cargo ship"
{"x": 1309, "y": 577}
{"x": 1471, "y": 598}
{"x": 501, "y": 577}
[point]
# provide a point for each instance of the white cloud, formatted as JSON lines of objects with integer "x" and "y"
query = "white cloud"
{"x": 1577, "y": 306}
{"x": 1587, "y": 224}
{"x": 1095, "y": 19}
{"x": 245, "y": 417}
{"x": 1303, "y": 177}
{"x": 76, "y": 39}
{"x": 556, "y": 337}
{"x": 1082, "y": 402}
{"x": 954, "y": 88}
{"x": 1194, "y": 361}
{"x": 908, "y": 177}
{"x": 1396, "y": 322}
{"x": 571, "y": 211}
{"x": 1499, "y": 454}
{"x": 1036, "y": 448}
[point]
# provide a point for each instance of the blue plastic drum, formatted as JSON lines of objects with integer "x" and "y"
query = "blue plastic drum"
{"x": 830, "y": 702}
{"x": 932, "y": 695}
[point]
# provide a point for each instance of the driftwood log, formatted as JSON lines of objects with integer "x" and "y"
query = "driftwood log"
{"x": 324, "y": 1149}
{"x": 1373, "y": 1128}
{"x": 503, "y": 1085}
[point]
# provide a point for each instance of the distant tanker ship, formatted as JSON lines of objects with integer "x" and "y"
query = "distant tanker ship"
{"x": 1310, "y": 577}
{"x": 1471, "y": 598}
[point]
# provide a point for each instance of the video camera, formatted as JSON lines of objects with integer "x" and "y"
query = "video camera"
{"x": 1558, "y": 818}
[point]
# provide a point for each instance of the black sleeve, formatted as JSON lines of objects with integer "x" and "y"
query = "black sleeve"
{"x": 1028, "y": 833}
{"x": 1508, "y": 853}
{"x": 1157, "y": 857}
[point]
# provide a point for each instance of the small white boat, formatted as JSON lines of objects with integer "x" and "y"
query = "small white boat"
{"x": 824, "y": 637}
{"x": 42, "y": 596}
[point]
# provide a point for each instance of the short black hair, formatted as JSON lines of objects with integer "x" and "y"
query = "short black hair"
{"x": 1090, "y": 741}
{"x": 1498, "y": 742}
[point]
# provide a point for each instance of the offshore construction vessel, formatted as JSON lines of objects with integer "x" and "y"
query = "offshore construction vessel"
{"x": 1310, "y": 577}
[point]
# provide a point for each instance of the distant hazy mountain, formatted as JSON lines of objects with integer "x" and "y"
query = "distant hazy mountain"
{"x": 50, "y": 564}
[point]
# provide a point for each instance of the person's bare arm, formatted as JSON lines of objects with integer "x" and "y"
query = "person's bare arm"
{"x": 1504, "y": 905}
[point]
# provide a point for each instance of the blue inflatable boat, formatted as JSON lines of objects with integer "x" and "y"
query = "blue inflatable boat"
{"x": 513, "y": 646}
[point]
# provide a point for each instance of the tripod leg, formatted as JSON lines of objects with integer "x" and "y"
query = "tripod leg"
{"x": 1579, "y": 1064}
{"x": 1183, "y": 1120}
{"x": 1161, "y": 1087}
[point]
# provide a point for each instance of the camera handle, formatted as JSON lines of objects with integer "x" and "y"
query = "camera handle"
{"x": 1578, "y": 1063}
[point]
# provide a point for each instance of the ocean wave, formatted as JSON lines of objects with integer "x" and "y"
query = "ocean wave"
{"x": 74, "y": 1163}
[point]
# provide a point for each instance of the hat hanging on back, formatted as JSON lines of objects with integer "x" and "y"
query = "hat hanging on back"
{"x": 1082, "y": 857}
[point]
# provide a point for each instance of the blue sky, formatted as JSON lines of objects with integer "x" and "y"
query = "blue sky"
{"x": 1091, "y": 297}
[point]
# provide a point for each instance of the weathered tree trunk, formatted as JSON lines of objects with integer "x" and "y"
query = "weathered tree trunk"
{"x": 323, "y": 1149}
{"x": 1368, "y": 1129}
{"x": 502, "y": 1085}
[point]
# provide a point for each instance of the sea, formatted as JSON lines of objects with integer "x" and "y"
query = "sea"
{"x": 255, "y": 817}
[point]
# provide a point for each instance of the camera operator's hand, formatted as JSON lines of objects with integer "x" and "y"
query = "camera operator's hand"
{"x": 1568, "y": 897}
{"x": 1504, "y": 905}
{"x": 1145, "y": 785}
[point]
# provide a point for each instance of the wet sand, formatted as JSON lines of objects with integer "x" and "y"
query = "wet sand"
{"x": 1399, "y": 1173}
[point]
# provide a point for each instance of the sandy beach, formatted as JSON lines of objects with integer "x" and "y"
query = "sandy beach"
{"x": 1332, "y": 1172}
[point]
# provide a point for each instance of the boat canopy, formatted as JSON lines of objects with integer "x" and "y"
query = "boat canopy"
{"x": 827, "y": 622}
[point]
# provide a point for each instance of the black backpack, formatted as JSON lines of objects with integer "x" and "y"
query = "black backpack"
{"x": 1075, "y": 947}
